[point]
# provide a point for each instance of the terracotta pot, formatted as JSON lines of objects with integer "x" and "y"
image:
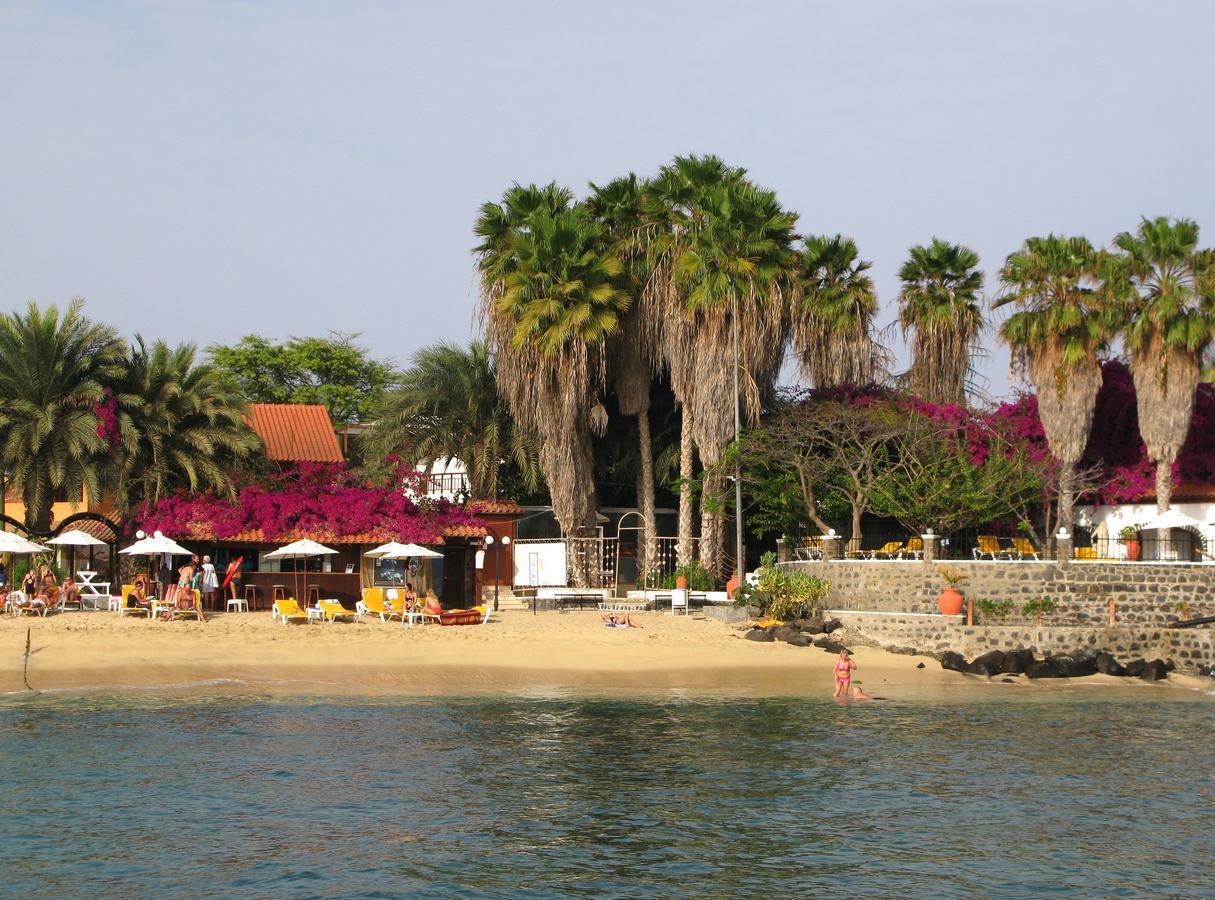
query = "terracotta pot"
{"x": 1134, "y": 550}
{"x": 950, "y": 602}
{"x": 731, "y": 586}
{"x": 681, "y": 582}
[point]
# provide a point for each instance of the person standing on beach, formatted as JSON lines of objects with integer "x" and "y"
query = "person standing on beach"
{"x": 844, "y": 667}
{"x": 210, "y": 583}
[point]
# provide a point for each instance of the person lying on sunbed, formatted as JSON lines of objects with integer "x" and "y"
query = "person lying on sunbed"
{"x": 618, "y": 620}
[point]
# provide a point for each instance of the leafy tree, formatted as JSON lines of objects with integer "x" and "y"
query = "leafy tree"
{"x": 180, "y": 424}
{"x": 54, "y": 369}
{"x": 835, "y": 303}
{"x": 939, "y": 302}
{"x": 1057, "y": 336}
{"x": 447, "y": 405}
{"x": 1166, "y": 288}
{"x": 333, "y": 371}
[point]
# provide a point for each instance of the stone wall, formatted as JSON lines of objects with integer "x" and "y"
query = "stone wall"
{"x": 1189, "y": 648}
{"x": 1144, "y": 594}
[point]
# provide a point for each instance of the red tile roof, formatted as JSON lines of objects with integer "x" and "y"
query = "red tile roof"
{"x": 295, "y": 432}
{"x": 495, "y": 507}
{"x": 202, "y": 532}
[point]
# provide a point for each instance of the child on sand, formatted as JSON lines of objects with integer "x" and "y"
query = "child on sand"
{"x": 843, "y": 674}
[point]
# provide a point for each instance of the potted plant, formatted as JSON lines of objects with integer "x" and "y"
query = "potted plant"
{"x": 951, "y": 599}
{"x": 1129, "y": 535}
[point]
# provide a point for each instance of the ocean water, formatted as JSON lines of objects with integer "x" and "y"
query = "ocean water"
{"x": 1084, "y": 792}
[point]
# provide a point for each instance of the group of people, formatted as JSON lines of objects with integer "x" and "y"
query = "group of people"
{"x": 410, "y": 601}
{"x": 40, "y": 590}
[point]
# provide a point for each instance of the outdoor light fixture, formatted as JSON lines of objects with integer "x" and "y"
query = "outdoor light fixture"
{"x": 140, "y": 534}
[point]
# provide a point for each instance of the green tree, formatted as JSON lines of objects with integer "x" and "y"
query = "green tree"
{"x": 181, "y": 424}
{"x": 54, "y": 369}
{"x": 447, "y": 405}
{"x": 834, "y": 306}
{"x": 714, "y": 238}
{"x": 553, "y": 299}
{"x": 335, "y": 371}
{"x": 939, "y": 303}
{"x": 1165, "y": 286}
{"x": 1057, "y": 336}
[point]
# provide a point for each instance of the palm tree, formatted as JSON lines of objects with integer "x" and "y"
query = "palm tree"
{"x": 1166, "y": 286}
{"x": 939, "y": 302}
{"x": 447, "y": 406}
{"x": 1057, "y": 336}
{"x": 833, "y": 310}
{"x": 633, "y": 353}
{"x": 552, "y": 301}
{"x": 53, "y": 372}
{"x": 715, "y": 238}
{"x": 180, "y": 425}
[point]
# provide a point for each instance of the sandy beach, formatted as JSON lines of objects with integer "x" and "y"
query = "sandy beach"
{"x": 515, "y": 653}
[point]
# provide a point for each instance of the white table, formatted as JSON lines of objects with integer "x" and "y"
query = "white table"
{"x": 92, "y": 590}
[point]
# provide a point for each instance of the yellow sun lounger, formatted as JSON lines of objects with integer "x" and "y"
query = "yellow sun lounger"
{"x": 331, "y": 609}
{"x": 374, "y": 604}
{"x": 288, "y": 610}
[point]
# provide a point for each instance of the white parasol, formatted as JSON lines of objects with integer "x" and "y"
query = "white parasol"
{"x": 411, "y": 551}
{"x": 156, "y": 545}
{"x": 76, "y": 538}
{"x": 11, "y": 542}
{"x": 1171, "y": 518}
{"x": 301, "y": 549}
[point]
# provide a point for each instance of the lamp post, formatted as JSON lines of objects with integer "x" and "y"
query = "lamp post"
{"x": 489, "y": 542}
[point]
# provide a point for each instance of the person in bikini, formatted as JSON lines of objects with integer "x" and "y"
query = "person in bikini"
{"x": 844, "y": 666}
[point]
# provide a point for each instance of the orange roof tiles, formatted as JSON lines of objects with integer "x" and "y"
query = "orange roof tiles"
{"x": 202, "y": 532}
{"x": 496, "y": 507}
{"x": 295, "y": 432}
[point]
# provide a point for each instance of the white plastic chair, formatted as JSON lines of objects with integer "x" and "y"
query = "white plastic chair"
{"x": 239, "y": 604}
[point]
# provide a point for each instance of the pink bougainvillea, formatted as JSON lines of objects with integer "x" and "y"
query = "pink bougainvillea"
{"x": 320, "y": 500}
{"x": 106, "y": 412}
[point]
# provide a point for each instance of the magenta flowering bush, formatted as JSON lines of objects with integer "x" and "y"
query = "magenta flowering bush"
{"x": 106, "y": 412}
{"x": 313, "y": 499}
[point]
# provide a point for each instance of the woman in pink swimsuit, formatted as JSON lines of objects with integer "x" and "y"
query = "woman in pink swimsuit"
{"x": 843, "y": 674}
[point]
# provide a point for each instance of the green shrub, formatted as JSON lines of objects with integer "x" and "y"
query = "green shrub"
{"x": 781, "y": 594}
{"x": 1039, "y": 607}
{"x": 996, "y": 609}
{"x": 698, "y": 577}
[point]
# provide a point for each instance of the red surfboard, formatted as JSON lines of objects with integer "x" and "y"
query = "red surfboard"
{"x": 233, "y": 571}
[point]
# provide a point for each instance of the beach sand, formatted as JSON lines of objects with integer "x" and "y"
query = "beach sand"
{"x": 515, "y": 653}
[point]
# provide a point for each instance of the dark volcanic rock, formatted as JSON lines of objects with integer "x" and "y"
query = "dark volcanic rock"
{"x": 1017, "y": 661}
{"x": 759, "y": 634}
{"x": 1107, "y": 665}
{"x": 827, "y": 644}
{"x": 1135, "y": 668}
{"x": 1156, "y": 670}
{"x": 1075, "y": 666}
{"x": 990, "y": 663}
{"x": 797, "y": 639}
{"x": 953, "y": 661}
{"x": 784, "y": 632}
{"x": 811, "y": 626}
{"x": 1042, "y": 668}
{"x": 832, "y": 625}
{"x": 920, "y": 666}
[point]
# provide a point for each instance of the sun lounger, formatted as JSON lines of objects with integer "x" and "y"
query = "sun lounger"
{"x": 913, "y": 549}
{"x": 289, "y": 611}
{"x": 374, "y": 604}
{"x": 128, "y": 606}
{"x": 1089, "y": 553}
{"x": 889, "y": 550}
{"x": 1024, "y": 548}
{"x": 989, "y": 548}
{"x": 332, "y": 609}
{"x": 811, "y": 549}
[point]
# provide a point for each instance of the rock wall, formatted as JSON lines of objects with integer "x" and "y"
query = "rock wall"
{"x": 1144, "y": 594}
{"x": 1189, "y": 648}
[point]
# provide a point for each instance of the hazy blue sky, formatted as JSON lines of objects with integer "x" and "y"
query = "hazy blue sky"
{"x": 200, "y": 171}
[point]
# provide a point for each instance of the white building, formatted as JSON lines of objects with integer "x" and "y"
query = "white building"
{"x": 1104, "y": 523}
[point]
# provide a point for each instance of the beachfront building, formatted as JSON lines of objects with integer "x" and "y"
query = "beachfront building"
{"x": 1100, "y": 526}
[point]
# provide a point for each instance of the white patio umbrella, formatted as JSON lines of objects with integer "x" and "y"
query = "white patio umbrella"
{"x": 301, "y": 549}
{"x": 1171, "y": 518}
{"x": 412, "y": 551}
{"x": 384, "y": 549}
{"x": 76, "y": 538}
{"x": 156, "y": 545}
{"x": 11, "y": 542}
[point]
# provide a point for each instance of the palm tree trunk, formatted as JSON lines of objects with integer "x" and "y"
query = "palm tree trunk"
{"x": 1066, "y": 479}
{"x": 1164, "y": 485}
{"x": 687, "y": 502}
{"x": 711, "y": 529}
{"x": 648, "y": 550}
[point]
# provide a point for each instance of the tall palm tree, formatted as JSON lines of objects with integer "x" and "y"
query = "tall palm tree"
{"x": 1057, "y": 336}
{"x": 447, "y": 406}
{"x": 834, "y": 308}
{"x": 1166, "y": 285}
{"x": 552, "y": 301}
{"x": 53, "y": 372}
{"x": 634, "y": 357}
{"x": 714, "y": 237}
{"x": 939, "y": 302}
{"x": 181, "y": 424}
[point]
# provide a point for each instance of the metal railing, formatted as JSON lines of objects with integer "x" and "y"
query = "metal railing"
{"x": 1179, "y": 546}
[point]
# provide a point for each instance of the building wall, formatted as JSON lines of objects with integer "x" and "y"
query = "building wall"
{"x": 1107, "y": 521}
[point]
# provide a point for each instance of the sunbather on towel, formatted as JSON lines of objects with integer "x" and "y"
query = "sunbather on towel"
{"x": 618, "y": 620}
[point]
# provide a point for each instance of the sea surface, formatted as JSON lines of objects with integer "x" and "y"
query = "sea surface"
{"x": 1014, "y": 793}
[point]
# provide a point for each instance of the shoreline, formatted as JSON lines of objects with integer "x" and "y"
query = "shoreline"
{"x": 516, "y": 654}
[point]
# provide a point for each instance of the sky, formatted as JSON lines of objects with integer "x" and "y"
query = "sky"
{"x": 200, "y": 171}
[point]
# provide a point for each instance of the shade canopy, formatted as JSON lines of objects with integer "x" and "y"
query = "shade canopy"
{"x": 76, "y": 538}
{"x": 300, "y": 550}
{"x": 1171, "y": 518}
{"x": 397, "y": 550}
{"x": 11, "y": 542}
{"x": 152, "y": 546}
